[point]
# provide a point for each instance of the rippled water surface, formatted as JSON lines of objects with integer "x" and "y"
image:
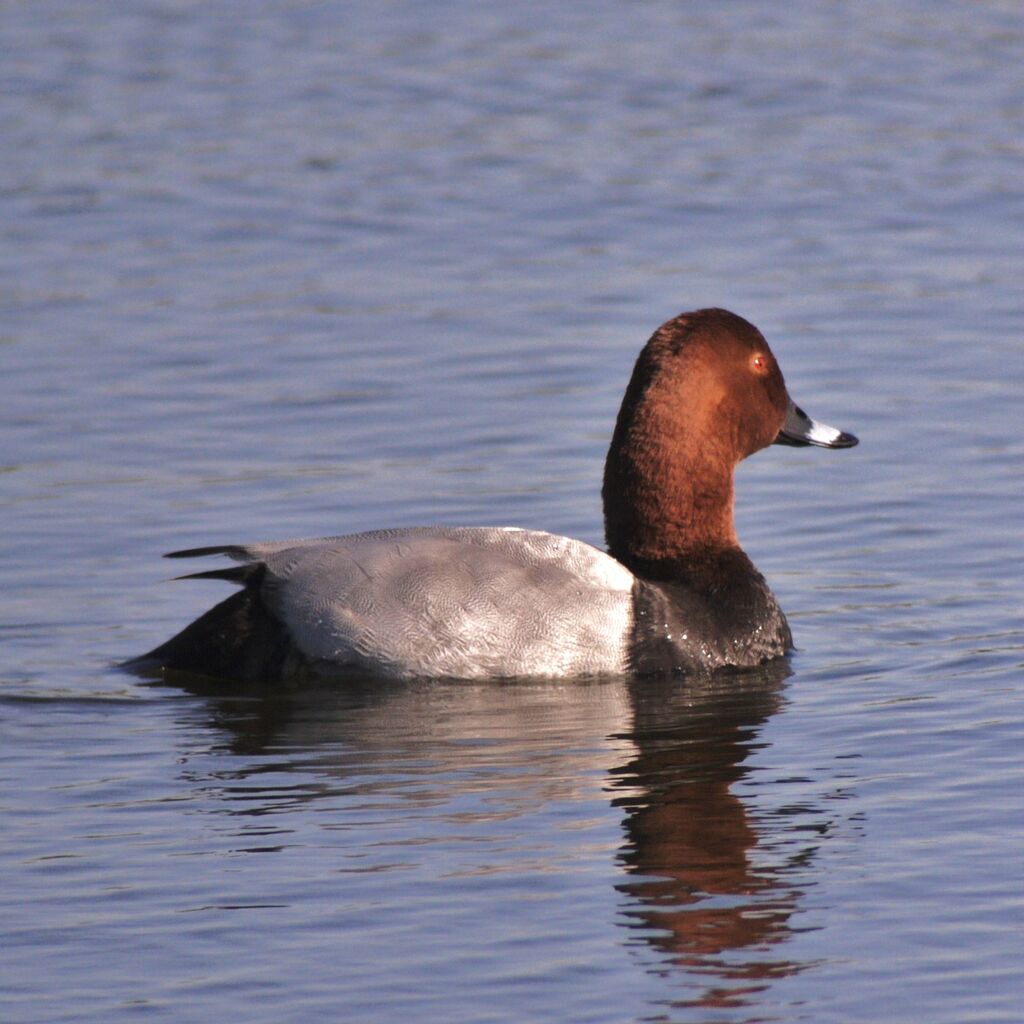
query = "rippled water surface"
{"x": 277, "y": 269}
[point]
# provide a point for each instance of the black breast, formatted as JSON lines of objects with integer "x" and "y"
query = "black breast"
{"x": 701, "y": 620}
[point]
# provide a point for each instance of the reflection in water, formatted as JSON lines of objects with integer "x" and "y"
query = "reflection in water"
{"x": 429, "y": 742}
{"x": 696, "y": 893}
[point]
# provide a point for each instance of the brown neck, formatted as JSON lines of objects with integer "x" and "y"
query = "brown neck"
{"x": 668, "y": 478}
{"x": 665, "y": 507}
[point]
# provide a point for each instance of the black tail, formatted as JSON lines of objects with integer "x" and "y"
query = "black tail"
{"x": 238, "y": 639}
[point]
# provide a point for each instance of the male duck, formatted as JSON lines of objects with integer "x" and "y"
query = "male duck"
{"x": 675, "y": 592}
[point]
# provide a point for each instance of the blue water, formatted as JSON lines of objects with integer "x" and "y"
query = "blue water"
{"x": 279, "y": 269}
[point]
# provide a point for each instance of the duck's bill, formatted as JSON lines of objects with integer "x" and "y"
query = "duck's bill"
{"x": 800, "y": 430}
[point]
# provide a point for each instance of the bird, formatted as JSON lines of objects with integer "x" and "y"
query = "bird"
{"x": 674, "y": 591}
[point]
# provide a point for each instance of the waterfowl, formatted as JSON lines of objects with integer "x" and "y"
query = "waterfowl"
{"x": 673, "y": 592}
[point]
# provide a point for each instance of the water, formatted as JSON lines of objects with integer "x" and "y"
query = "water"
{"x": 281, "y": 269}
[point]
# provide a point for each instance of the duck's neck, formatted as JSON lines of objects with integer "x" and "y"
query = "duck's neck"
{"x": 668, "y": 513}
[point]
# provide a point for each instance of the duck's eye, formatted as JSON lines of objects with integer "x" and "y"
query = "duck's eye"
{"x": 759, "y": 363}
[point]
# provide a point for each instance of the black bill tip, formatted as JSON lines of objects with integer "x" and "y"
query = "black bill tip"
{"x": 799, "y": 430}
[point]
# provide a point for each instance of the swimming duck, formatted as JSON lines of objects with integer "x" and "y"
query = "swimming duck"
{"x": 673, "y": 592}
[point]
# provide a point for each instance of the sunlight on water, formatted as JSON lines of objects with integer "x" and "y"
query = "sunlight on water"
{"x": 296, "y": 269}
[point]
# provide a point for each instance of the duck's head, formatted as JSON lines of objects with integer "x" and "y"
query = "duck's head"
{"x": 706, "y": 392}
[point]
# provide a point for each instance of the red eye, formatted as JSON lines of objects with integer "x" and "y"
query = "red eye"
{"x": 759, "y": 363}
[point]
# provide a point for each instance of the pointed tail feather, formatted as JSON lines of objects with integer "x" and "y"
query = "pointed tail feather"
{"x": 239, "y": 639}
{"x": 231, "y": 550}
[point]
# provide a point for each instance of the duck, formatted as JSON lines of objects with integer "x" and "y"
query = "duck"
{"x": 672, "y": 593}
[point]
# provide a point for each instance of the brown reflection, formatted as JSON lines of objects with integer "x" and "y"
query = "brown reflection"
{"x": 715, "y": 914}
{"x": 695, "y": 894}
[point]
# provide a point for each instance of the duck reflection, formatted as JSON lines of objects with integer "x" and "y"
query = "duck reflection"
{"x": 695, "y": 890}
{"x": 698, "y": 887}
